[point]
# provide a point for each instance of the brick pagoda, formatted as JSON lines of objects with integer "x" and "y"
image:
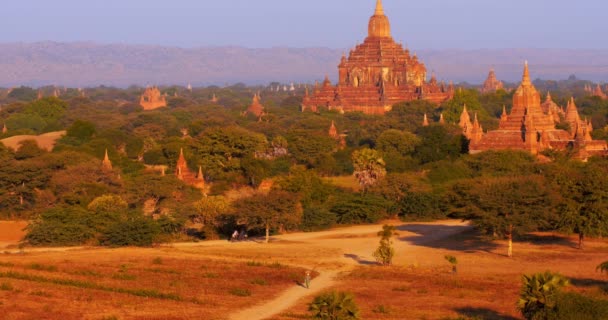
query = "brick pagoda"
{"x": 492, "y": 84}
{"x": 376, "y": 75}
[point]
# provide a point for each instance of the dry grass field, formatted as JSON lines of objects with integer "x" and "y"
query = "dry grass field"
{"x": 45, "y": 141}
{"x": 218, "y": 279}
{"x": 11, "y": 232}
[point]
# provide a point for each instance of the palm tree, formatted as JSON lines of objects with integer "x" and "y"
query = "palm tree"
{"x": 603, "y": 267}
{"x": 538, "y": 294}
{"x": 334, "y": 306}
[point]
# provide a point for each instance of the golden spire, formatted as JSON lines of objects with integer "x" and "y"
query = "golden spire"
{"x": 526, "y": 78}
{"x": 200, "y": 173}
{"x": 106, "y": 164}
{"x": 379, "y": 9}
{"x": 425, "y": 121}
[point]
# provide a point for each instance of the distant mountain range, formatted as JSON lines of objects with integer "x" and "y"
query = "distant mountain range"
{"x": 85, "y": 64}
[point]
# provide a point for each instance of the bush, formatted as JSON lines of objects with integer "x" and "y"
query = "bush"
{"x": 139, "y": 232}
{"x": 316, "y": 218}
{"x": 574, "y": 306}
{"x": 334, "y": 305}
{"x": 61, "y": 227}
{"x": 356, "y": 208}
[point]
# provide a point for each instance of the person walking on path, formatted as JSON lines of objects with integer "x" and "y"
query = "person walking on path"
{"x": 307, "y": 280}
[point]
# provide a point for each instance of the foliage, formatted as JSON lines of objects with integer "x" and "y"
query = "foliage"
{"x": 278, "y": 209}
{"x": 369, "y": 167}
{"x": 139, "y": 231}
{"x": 603, "y": 267}
{"x": 334, "y": 306}
{"x": 61, "y": 227}
{"x": 574, "y": 306}
{"x": 439, "y": 142}
{"x": 353, "y": 209}
{"x": 538, "y": 295}
{"x": 385, "y": 252}
{"x": 316, "y": 218}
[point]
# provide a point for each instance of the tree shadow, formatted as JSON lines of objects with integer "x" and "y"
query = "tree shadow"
{"x": 463, "y": 238}
{"x": 483, "y": 313}
{"x": 588, "y": 283}
{"x": 359, "y": 260}
{"x": 547, "y": 239}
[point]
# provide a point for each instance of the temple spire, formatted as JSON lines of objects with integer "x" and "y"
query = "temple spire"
{"x": 200, "y": 173}
{"x": 425, "y": 122}
{"x": 106, "y": 164}
{"x": 379, "y": 8}
{"x": 526, "y": 77}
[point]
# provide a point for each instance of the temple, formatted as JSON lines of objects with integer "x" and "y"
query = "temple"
{"x": 334, "y": 134}
{"x": 376, "y": 75}
{"x": 152, "y": 99}
{"x": 492, "y": 84}
{"x": 532, "y": 127}
{"x": 182, "y": 172}
{"x": 256, "y": 108}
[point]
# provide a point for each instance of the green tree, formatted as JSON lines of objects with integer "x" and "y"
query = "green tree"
{"x": 334, "y": 306}
{"x": 505, "y": 206}
{"x": 369, "y": 167}
{"x": 278, "y": 209}
{"x": 81, "y": 131}
{"x": 538, "y": 295}
{"x": 385, "y": 252}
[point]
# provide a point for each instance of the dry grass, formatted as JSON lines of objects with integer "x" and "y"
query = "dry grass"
{"x": 45, "y": 141}
{"x": 486, "y": 285}
{"x": 346, "y": 182}
{"x": 133, "y": 284}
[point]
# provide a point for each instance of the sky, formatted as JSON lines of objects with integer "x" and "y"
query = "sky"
{"x": 424, "y": 24}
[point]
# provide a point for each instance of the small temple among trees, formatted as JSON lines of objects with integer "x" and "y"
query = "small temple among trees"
{"x": 376, "y": 75}
{"x": 152, "y": 99}
{"x": 531, "y": 126}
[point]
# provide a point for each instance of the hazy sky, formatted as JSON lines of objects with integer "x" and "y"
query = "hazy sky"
{"x": 424, "y": 24}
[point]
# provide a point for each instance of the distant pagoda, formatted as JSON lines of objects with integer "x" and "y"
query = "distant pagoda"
{"x": 376, "y": 75}
{"x": 152, "y": 99}
{"x": 492, "y": 84}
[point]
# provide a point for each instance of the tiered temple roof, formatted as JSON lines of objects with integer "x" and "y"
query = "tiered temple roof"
{"x": 152, "y": 99}
{"x": 377, "y": 74}
{"x": 528, "y": 127}
{"x": 256, "y": 108}
{"x": 492, "y": 84}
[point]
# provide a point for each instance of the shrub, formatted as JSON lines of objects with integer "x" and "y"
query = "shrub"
{"x": 5, "y": 286}
{"x": 316, "y": 218}
{"x": 139, "y": 232}
{"x": 356, "y": 208}
{"x": 574, "y": 306}
{"x": 240, "y": 292}
{"x": 334, "y": 305}
{"x": 385, "y": 252}
{"x": 61, "y": 227}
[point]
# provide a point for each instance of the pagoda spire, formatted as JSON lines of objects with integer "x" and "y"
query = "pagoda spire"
{"x": 106, "y": 164}
{"x": 379, "y": 8}
{"x": 441, "y": 119}
{"x": 526, "y": 77}
{"x": 200, "y": 173}
{"x": 4, "y": 128}
{"x": 425, "y": 122}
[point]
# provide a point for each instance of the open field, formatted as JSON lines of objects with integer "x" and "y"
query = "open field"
{"x": 11, "y": 232}
{"x": 251, "y": 280}
{"x": 45, "y": 141}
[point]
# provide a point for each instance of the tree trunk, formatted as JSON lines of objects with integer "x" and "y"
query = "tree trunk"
{"x": 267, "y": 233}
{"x": 581, "y": 237}
{"x": 510, "y": 247}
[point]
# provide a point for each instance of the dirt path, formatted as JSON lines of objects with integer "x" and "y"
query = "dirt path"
{"x": 287, "y": 299}
{"x": 356, "y": 244}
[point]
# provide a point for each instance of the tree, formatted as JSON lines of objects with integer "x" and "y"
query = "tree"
{"x": 539, "y": 294}
{"x": 81, "y": 131}
{"x": 208, "y": 209}
{"x": 603, "y": 267}
{"x": 334, "y": 306}
{"x": 385, "y": 252}
{"x": 505, "y": 206}
{"x": 584, "y": 208}
{"x": 369, "y": 167}
{"x": 278, "y": 209}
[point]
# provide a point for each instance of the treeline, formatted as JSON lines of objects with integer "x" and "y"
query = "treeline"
{"x": 403, "y": 169}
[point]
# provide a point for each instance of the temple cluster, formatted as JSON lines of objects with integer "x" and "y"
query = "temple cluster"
{"x": 531, "y": 126}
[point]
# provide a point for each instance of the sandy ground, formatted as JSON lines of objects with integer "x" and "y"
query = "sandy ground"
{"x": 45, "y": 141}
{"x": 11, "y": 232}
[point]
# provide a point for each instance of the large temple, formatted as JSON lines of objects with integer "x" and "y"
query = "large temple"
{"x": 531, "y": 126}
{"x": 377, "y": 74}
{"x": 492, "y": 84}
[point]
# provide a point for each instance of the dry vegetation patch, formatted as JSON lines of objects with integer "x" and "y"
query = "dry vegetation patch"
{"x": 133, "y": 284}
